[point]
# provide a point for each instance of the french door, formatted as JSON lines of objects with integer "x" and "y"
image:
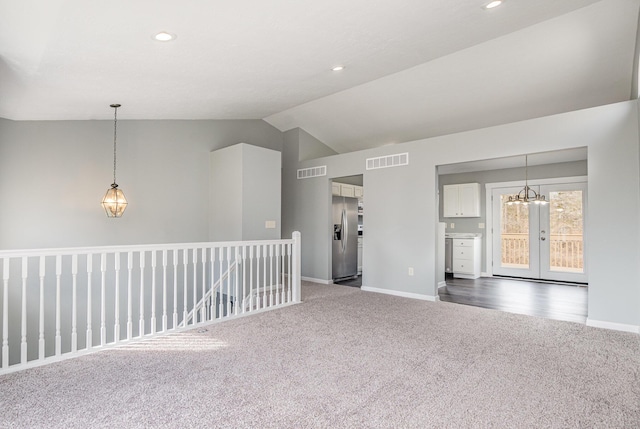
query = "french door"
{"x": 541, "y": 241}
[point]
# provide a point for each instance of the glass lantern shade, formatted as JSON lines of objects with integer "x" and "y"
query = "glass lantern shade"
{"x": 114, "y": 202}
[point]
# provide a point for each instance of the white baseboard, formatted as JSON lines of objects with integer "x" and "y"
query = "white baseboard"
{"x": 442, "y": 284}
{"x": 485, "y": 275}
{"x": 321, "y": 281}
{"x": 613, "y": 326}
{"x": 402, "y": 294}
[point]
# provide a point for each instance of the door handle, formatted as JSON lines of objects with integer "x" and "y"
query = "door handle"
{"x": 542, "y": 238}
{"x": 344, "y": 229}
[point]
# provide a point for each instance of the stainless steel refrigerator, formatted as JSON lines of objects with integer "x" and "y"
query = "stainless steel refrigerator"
{"x": 345, "y": 237}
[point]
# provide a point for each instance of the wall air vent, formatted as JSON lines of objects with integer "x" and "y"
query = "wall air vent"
{"x": 388, "y": 161}
{"x": 306, "y": 173}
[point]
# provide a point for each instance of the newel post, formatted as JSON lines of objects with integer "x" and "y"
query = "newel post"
{"x": 296, "y": 266}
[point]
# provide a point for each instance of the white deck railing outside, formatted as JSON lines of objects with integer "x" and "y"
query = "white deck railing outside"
{"x": 566, "y": 251}
{"x": 61, "y": 303}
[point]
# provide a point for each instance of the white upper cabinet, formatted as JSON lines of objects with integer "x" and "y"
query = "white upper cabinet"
{"x": 346, "y": 190}
{"x": 462, "y": 200}
{"x": 335, "y": 188}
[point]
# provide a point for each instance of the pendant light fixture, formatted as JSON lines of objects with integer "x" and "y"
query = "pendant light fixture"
{"x": 114, "y": 202}
{"x": 526, "y": 195}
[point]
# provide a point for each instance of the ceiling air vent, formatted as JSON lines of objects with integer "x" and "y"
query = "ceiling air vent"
{"x": 388, "y": 161}
{"x": 306, "y": 173}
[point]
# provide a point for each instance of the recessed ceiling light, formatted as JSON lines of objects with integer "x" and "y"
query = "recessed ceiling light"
{"x": 163, "y": 36}
{"x": 493, "y": 4}
{"x": 337, "y": 68}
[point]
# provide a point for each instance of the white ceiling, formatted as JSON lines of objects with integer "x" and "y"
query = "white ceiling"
{"x": 414, "y": 68}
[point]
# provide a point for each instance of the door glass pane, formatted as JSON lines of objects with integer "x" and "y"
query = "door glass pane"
{"x": 566, "y": 252}
{"x": 514, "y": 230}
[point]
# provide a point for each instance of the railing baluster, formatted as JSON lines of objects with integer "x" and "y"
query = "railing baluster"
{"x": 41, "y": 342}
{"x": 229, "y": 309}
{"x": 153, "y": 291}
{"x": 237, "y": 291}
{"x": 143, "y": 257}
{"x": 175, "y": 288}
{"x": 23, "y": 340}
{"x": 154, "y": 263}
{"x": 251, "y": 278}
{"x": 5, "y": 313}
{"x": 129, "y": 295}
{"x": 271, "y": 275}
{"x": 283, "y": 273}
{"x": 258, "y": 247}
{"x": 74, "y": 303}
{"x": 289, "y": 246}
{"x": 103, "y": 305}
{"x": 185, "y": 263}
{"x": 244, "y": 278}
{"x": 58, "y": 338}
{"x": 279, "y": 284}
{"x": 194, "y": 258}
{"x": 264, "y": 276}
{"x": 89, "y": 339}
{"x": 221, "y": 288}
{"x": 116, "y": 326}
{"x": 212, "y": 261}
{"x": 203, "y": 311}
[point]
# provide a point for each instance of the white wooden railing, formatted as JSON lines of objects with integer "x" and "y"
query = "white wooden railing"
{"x": 566, "y": 251}
{"x": 126, "y": 293}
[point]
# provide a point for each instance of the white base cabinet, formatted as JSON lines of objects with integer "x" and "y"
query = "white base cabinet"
{"x": 466, "y": 257}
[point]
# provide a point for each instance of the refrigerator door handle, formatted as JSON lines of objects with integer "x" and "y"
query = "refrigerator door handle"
{"x": 345, "y": 230}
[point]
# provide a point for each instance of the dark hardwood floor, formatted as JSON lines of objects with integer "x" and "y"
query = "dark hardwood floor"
{"x": 355, "y": 282}
{"x": 548, "y": 300}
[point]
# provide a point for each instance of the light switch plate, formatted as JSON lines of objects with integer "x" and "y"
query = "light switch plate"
{"x": 481, "y": 225}
{"x": 453, "y": 225}
{"x": 410, "y": 271}
{"x": 270, "y": 224}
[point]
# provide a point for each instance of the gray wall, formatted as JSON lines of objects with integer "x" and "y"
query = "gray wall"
{"x": 53, "y": 175}
{"x": 402, "y": 203}
{"x": 462, "y": 224}
{"x": 311, "y": 147}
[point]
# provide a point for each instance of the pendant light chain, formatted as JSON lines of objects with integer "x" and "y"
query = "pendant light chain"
{"x": 115, "y": 135}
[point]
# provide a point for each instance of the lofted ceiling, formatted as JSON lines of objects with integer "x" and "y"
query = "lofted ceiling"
{"x": 413, "y": 68}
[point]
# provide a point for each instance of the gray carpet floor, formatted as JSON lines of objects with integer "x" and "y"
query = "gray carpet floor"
{"x": 345, "y": 359}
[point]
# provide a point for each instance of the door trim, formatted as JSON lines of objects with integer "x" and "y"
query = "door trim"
{"x": 489, "y": 187}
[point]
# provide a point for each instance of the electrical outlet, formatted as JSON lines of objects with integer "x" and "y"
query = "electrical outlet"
{"x": 410, "y": 271}
{"x": 481, "y": 225}
{"x": 270, "y": 224}
{"x": 453, "y": 225}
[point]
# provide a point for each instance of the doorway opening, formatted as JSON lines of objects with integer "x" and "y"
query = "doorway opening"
{"x": 347, "y": 229}
{"x": 533, "y": 257}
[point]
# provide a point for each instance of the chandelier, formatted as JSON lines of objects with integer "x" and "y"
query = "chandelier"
{"x": 526, "y": 195}
{"x": 114, "y": 202}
